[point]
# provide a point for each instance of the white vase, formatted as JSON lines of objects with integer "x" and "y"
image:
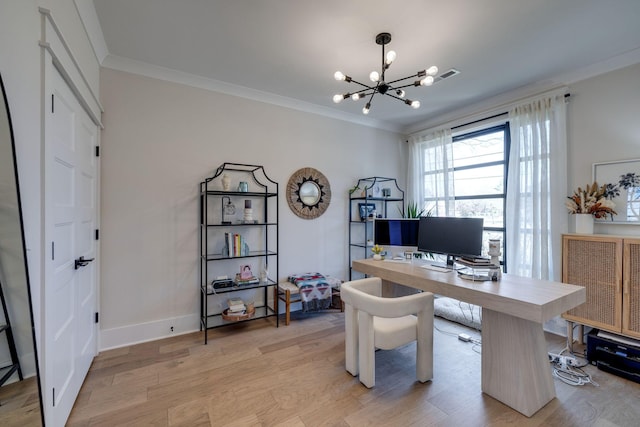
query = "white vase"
{"x": 584, "y": 223}
{"x": 377, "y": 257}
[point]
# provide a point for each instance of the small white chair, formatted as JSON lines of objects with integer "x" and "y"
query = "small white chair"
{"x": 374, "y": 322}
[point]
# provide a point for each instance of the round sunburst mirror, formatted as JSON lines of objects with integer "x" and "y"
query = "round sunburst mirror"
{"x": 308, "y": 193}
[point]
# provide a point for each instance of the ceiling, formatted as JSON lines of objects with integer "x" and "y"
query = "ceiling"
{"x": 286, "y": 51}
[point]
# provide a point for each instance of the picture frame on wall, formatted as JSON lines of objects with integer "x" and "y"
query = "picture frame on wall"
{"x": 366, "y": 209}
{"x": 624, "y": 177}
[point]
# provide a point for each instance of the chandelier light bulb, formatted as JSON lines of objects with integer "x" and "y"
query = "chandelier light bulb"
{"x": 415, "y": 104}
{"x": 391, "y": 56}
{"x": 355, "y": 96}
{"x": 337, "y": 98}
{"x": 374, "y": 76}
{"x": 339, "y": 76}
{"x": 427, "y": 81}
{"x": 432, "y": 71}
{"x": 400, "y": 93}
{"x": 365, "y": 109}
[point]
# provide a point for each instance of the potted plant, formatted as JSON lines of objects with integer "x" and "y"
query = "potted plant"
{"x": 414, "y": 211}
{"x": 377, "y": 252}
{"x": 593, "y": 201}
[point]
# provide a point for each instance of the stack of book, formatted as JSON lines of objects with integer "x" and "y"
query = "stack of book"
{"x": 253, "y": 280}
{"x": 475, "y": 261}
{"x": 237, "y": 307}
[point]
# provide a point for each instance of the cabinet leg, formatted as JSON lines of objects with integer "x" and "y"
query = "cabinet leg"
{"x": 275, "y": 304}
{"x": 581, "y": 334}
{"x": 287, "y": 307}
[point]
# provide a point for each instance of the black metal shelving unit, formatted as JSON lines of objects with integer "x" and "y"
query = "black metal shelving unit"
{"x": 369, "y": 191}
{"x": 215, "y": 261}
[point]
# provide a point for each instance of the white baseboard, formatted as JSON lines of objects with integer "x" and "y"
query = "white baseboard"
{"x": 150, "y": 331}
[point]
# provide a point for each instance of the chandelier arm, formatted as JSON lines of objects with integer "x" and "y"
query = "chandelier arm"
{"x": 362, "y": 84}
{"x": 407, "y": 85}
{"x": 404, "y": 78}
{"x": 364, "y": 94}
{"x": 396, "y": 97}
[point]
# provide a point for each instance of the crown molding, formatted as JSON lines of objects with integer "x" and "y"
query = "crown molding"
{"x": 161, "y": 73}
{"x": 491, "y": 105}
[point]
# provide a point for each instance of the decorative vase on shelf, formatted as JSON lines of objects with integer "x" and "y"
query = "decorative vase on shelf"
{"x": 377, "y": 257}
{"x": 584, "y": 223}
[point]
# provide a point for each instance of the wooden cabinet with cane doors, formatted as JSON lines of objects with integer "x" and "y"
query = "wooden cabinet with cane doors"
{"x": 609, "y": 268}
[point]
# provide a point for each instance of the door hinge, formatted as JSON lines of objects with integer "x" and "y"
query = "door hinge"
{"x": 52, "y": 102}
{"x": 97, "y": 234}
{"x": 97, "y": 151}
{"x": 97, "y": 317}
{"x": 53, "y": 399}
{"x": 53, "y": 251}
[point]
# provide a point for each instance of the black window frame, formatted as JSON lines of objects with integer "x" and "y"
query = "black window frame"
{"x": 503, "y": 127}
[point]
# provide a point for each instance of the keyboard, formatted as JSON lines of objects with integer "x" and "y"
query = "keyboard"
{"x": 401, "y": 261}
{"x": 436, "y": 268}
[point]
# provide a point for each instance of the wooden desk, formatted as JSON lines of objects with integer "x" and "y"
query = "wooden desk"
{"x": 515, "y": 364}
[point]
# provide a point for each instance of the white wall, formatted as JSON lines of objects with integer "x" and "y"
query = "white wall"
{"x": 603, "y": 125}
{"x": 160, "y": 140}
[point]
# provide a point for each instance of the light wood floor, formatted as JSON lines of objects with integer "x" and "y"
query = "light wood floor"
{"x": 254, "y": 374}
{"x": 20, "y": 404}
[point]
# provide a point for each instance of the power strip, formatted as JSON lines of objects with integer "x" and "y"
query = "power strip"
{"x": 563, "y": 360}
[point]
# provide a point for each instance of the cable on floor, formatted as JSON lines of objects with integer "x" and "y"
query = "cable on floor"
{"x": 572, "y": 375}
{"x": 470, "y": 308}
{"x": 477, "y": 343}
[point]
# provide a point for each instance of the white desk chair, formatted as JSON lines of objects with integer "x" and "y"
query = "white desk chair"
{"x": 374, "y": 322}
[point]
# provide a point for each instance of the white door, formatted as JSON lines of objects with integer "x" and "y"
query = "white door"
{"x": 70, "y": 190}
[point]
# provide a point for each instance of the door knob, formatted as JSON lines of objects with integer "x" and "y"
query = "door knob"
{"x": 81, "y": 262}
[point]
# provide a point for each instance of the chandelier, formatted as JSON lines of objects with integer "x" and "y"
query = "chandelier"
{"x": 394, "y": 88}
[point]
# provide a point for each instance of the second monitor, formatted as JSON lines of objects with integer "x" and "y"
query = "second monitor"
{"x": 396, "y": 232}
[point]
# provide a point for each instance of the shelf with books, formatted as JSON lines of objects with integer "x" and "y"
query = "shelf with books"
{"x": 373, "y": 197}
{"x": 238, "y": 247}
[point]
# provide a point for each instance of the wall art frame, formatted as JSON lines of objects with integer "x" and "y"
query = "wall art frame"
{"x": 365, "y": 210}
{"x": 624, "y": 179}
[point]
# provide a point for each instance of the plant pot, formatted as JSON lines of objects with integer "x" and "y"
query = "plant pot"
{"x": 377, "y": 257}
{"x": 584, "y": 223}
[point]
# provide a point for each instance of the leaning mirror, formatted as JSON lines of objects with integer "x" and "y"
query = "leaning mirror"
{"x": 308, "y": 193}
{"x": 20, "y": 402}
{"x": 622, "y": 178}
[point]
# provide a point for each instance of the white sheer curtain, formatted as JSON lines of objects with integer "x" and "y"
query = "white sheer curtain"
{"x": 430, "y": 172}
{"x": 536, "y": 187}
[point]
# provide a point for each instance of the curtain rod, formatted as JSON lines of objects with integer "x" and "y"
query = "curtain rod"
{"x": 495, "y": 116}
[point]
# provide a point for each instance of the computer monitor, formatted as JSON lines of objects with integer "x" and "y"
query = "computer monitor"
{"x": 396, "y": 232}
{"x": 450, "y": 236}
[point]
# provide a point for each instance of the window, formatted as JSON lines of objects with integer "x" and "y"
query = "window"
{"x": 479, "y": 173}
